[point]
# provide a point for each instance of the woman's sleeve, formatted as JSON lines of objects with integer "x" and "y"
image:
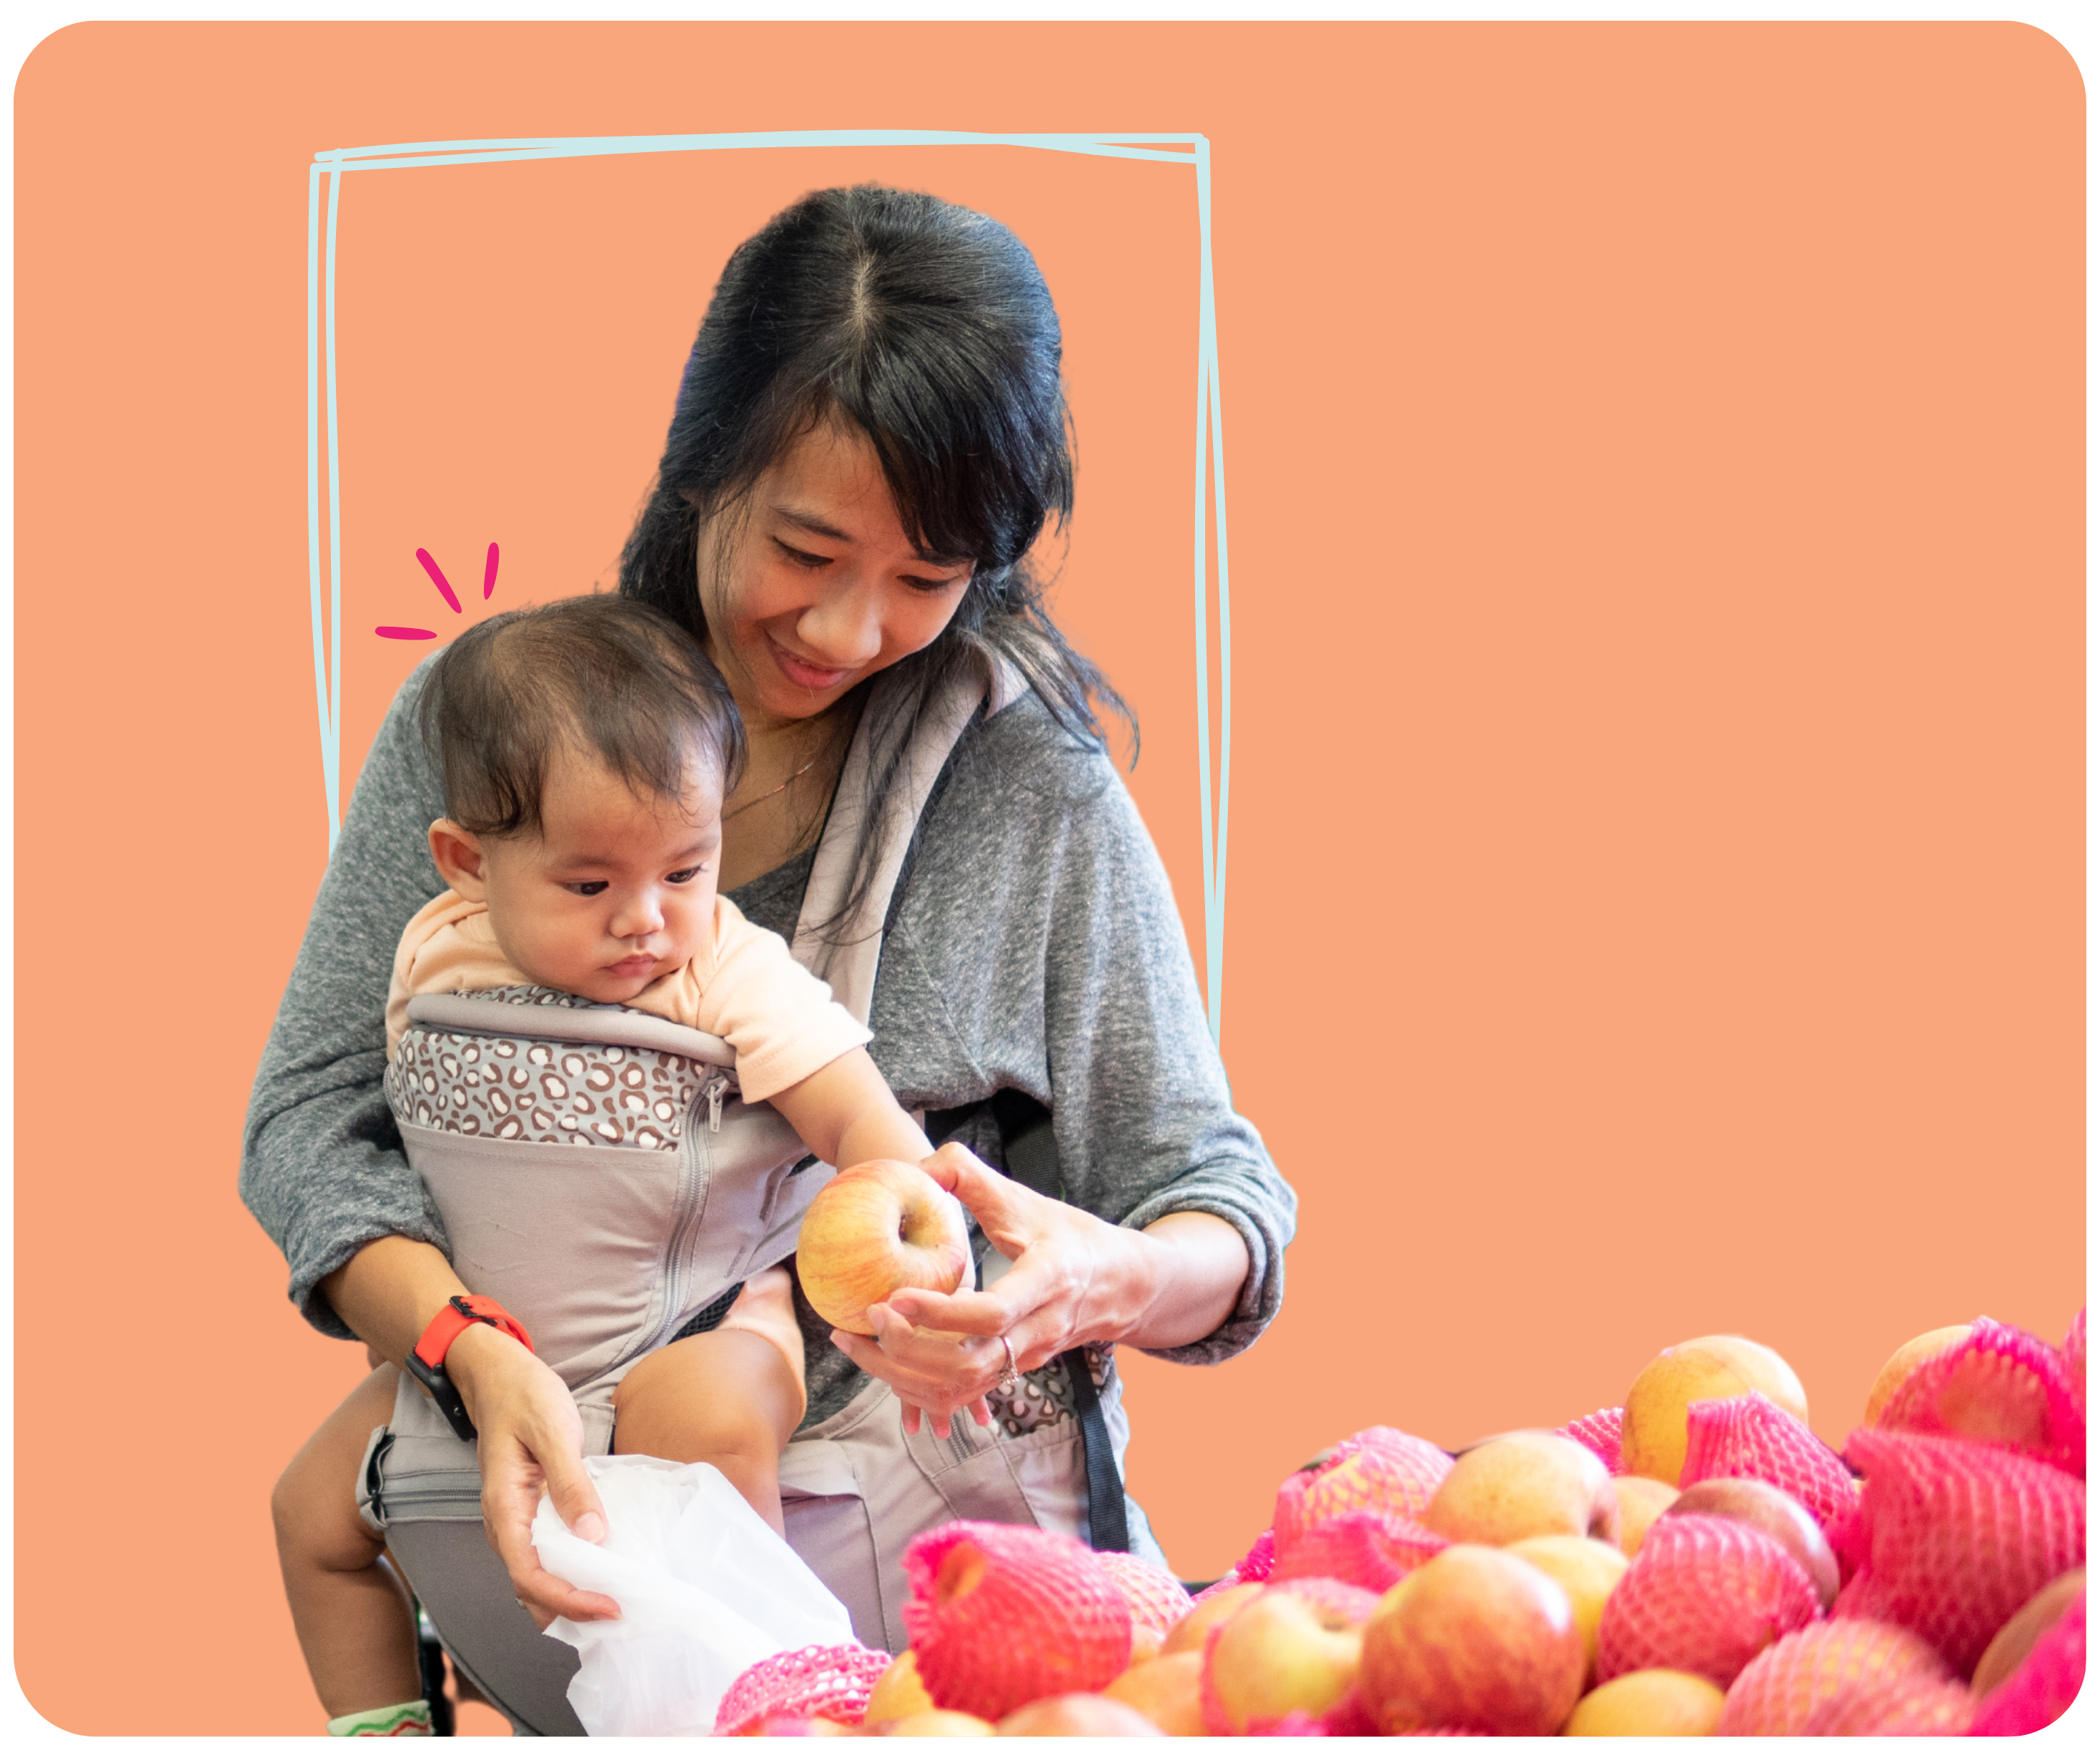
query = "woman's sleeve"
{"x": 321, "y": 1165}
{"x": 1143, "y": 1113}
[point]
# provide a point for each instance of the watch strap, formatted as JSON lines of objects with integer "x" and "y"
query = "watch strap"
{"x": 426, "y": 1361}
{"x": 457, "y": 1314}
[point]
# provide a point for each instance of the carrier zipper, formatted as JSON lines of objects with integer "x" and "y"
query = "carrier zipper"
{"x": 696, "y": 1177}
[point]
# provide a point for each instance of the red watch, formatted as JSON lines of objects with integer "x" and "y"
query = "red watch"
{"x": 426, "y": 1361}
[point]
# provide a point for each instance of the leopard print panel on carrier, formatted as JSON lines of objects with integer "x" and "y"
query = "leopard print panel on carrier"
{"x": 531, "y": 1090}
{"x": 1042, "y": 1396}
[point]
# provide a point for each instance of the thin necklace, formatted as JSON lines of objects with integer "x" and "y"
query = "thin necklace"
{"x": 769, "y": 794}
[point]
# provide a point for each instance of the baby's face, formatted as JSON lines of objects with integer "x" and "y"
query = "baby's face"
{"x": 615, "y": 892}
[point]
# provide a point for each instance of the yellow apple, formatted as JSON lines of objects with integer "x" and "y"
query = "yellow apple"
{"x": 940, "y": 1724}
{"x": 1283, "y": 1652}
{"x": 877, "y": 1228}
{"x": 1588, "y": 1569}
{"x": 1640, "y": 1502}
{"x": 1649, "y": 1702}
{"x": 899, "y": 1693}
{"x": 1528, "y": 1482}
{"x": 1652, "y": 1438}
{"x": 1896, "y": 1370}
{"x": 1168, "y": 1689}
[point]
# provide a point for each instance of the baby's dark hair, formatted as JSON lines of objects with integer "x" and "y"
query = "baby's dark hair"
{"x": 598, "y": 673}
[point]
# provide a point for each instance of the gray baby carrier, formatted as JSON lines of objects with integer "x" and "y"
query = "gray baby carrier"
{"x": 512, "y": 1103}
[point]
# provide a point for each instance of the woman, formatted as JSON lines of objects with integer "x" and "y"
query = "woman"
{"x": 870, "y": 436}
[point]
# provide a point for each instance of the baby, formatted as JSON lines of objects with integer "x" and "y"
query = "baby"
{"x": 586, "y": 748}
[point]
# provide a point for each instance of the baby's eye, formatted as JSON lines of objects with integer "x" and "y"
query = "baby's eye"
{"x": 684, "y": 874}
{"x": 586, "y": 888}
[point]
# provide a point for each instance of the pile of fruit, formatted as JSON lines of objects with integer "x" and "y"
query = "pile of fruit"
{"x": 1695, "y": 1562}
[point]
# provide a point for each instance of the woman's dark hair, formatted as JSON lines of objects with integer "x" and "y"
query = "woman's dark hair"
{"x": 927, "y": 327}
{"x": 600, "y": 673}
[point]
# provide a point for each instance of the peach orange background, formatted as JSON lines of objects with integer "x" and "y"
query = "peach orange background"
{"x": 1655, "y": 464}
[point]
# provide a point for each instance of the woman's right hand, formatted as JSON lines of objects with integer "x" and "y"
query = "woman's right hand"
{"x": 531, "y": 1439}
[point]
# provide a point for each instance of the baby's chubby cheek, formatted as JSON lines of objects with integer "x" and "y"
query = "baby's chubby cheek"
{"x": 548, "y": 956}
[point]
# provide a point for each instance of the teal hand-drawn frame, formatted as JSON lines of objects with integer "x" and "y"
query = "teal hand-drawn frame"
{"x": 334, "y": 164}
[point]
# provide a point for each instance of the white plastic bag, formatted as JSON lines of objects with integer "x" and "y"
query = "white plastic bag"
{"x": 705, "y": 1589}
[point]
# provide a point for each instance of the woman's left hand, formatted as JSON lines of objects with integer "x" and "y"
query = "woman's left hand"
{"x": 1074, "y": 1279}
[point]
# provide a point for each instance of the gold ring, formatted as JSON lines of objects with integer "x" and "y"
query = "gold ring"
{"x": 1012, "y": 1368}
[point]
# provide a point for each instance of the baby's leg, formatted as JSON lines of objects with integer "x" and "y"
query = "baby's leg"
{"x": 346, "y": 1607}
{"x": 730, "y": 1397}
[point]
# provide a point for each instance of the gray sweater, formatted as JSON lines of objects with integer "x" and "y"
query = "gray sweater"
{"x": 1032, "y": 944}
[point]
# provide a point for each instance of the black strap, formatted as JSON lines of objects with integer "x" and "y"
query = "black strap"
{"x": 1028, "y": 1145}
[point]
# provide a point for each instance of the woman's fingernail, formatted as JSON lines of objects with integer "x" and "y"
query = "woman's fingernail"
{"x": 590, "y": 1526}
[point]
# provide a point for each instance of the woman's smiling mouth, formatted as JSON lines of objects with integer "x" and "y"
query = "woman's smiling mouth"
{"x": 801, "y": 672}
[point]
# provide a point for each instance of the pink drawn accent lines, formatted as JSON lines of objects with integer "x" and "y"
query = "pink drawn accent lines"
{"x": 438, "y": 575}
{"x": 405, "y": 632}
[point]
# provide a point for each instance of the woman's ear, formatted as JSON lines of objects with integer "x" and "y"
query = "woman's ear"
{"x": 458, "y": 854}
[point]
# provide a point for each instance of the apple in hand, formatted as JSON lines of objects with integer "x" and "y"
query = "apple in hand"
{"x": 878, "y": 1227}
{"x": 1475, "y": 1639}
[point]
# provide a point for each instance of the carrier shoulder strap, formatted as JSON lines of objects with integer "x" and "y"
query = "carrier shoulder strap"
{"x": 1028, "y": 1145}
{"x": 846, "y": 954}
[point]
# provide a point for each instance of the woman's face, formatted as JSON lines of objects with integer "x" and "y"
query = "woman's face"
{"x": 819, "y": 587}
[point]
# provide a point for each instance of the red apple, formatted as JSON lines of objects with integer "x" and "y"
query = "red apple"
{"x": 1294, "y": 1647}
{"x": 1474, "y": 1640}
{"x": 877, "y": 1228}
{"x": 1769, "y": 1509}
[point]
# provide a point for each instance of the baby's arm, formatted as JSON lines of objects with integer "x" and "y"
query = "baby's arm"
{"x": 846, "y": 1113}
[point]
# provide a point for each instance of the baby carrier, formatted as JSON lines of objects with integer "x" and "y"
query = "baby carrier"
{"x": 511, "y": 1103}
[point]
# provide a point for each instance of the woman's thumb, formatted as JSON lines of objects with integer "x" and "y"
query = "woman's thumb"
{"x": 576, "y": 1501}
